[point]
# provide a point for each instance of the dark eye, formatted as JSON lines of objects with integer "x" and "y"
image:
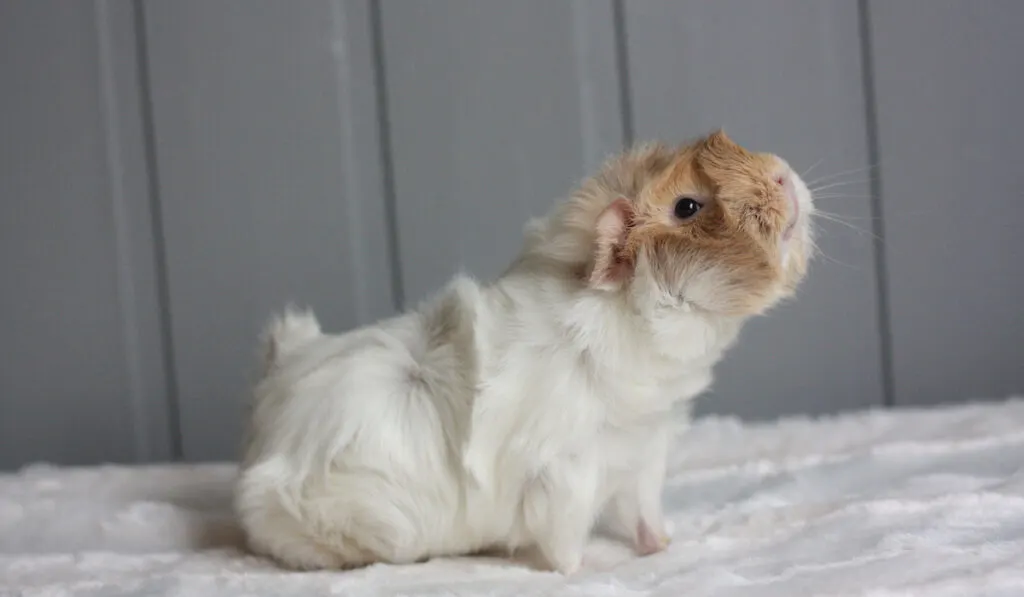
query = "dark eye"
{"x": 686, "y": 208}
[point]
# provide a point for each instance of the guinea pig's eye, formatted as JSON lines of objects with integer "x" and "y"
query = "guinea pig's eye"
{"x": 686, "y": 208}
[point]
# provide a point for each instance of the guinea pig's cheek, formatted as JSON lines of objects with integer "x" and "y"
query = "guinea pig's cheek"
{"x": 706, "y": 286}
{"x": 644, "y": 288}
{"x": 795, "y": 267}
{"x": 788, "y": 247}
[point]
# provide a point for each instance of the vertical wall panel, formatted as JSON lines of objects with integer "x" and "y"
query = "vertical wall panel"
{"x": 495, "y": 109}
{"x": 270, "y": 185}
{"x": 782, "y": 76}
{"x": 172, "y": 172}
{"x": 81, "y": 374}
{"x": 949, "y": 82}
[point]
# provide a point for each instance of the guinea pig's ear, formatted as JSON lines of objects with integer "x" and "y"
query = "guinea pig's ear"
{"x": 611, "y": 265}
{"x": 718, "y": 147}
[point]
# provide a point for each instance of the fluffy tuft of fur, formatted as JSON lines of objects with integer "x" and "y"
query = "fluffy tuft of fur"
{"x": 516, "y": 414}
{"x": 286, "y": 331}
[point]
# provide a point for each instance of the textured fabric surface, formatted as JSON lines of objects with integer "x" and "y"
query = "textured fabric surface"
{"x": 880, "y": 503}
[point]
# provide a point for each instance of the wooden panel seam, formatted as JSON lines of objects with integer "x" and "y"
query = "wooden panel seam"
{"x": 877, "y": 213}
{"x": 591, "y": 24}
{"x": 622, "y": 68}
{"x": 380, "y": 81}
{"x": 155, "y": 423}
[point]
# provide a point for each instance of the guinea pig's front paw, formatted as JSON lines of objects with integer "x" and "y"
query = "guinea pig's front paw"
{"x": 566, "y": 563}
{"x": 650, "y": 540}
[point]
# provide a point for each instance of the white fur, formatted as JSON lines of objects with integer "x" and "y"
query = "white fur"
{"x": 493, "y": 416}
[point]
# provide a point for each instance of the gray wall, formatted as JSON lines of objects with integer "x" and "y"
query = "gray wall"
{"x": 170, "y": 172}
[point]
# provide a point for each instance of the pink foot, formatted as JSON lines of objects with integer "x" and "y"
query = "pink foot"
{"x": 649, "y": 541}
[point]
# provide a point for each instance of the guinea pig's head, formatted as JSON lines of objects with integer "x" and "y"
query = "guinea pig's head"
{"x": 709, "y": 226}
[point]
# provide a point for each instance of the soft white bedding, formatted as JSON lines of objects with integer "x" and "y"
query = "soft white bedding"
{"x": 881, "y": 503}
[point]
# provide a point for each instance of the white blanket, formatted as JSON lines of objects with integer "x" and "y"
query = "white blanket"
{"x": 880, "y": 503}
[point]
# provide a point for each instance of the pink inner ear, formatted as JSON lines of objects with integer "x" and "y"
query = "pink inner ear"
{"x": 610, "y": 268}
{"x": 615, "y": 221}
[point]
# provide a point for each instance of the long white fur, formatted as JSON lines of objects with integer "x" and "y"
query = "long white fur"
{"x": 504, "y": 416}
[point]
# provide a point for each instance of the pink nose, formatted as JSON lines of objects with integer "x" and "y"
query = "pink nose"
{"x": 787, "y": 184}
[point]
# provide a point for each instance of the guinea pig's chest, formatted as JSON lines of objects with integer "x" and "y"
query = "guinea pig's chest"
{"x": 625, "y": 449}
{"x": 646, "y": 381}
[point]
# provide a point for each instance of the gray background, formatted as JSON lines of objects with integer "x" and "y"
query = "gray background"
{"x": 171, "y": 172}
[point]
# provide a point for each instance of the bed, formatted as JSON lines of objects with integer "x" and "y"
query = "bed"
{"x": 899, "y": 502}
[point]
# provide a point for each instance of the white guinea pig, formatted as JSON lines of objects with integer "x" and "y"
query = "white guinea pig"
{"x": 514, "y": 414}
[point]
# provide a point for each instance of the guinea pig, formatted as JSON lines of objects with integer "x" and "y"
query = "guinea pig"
{"x": 515, "y": 414}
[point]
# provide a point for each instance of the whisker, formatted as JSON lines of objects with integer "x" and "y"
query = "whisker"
{"x": 828, "y": 177}
{"x": 818, "y": 251}
{"x": 845, "y": 217}
{"x": 828, "y": 197}
{"x": 834, "y": 218}
{"x": 813, "y": 166}
{"x": 835, "y": 184}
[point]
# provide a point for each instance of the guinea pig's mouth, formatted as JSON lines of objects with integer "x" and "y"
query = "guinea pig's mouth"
{"x": 785, "y": 180}
{"x": 794, "y": 217}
